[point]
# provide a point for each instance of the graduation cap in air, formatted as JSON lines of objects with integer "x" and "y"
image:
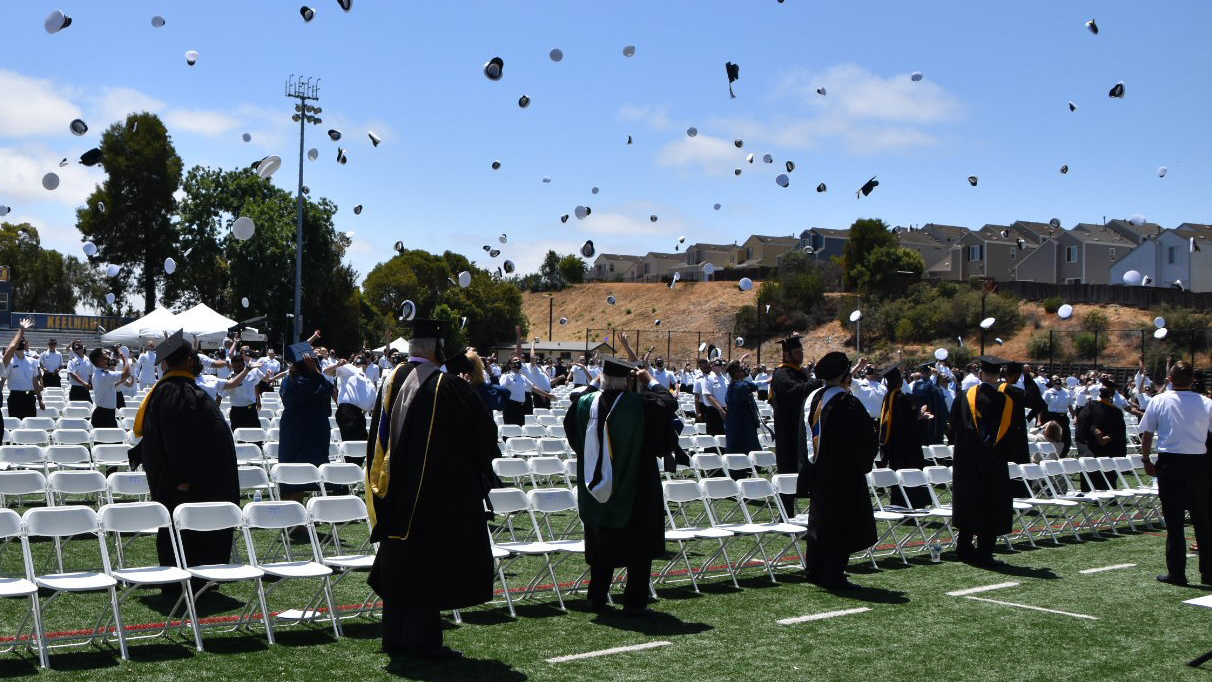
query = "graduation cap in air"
{"x": 822, "y": 188}
{"x": 524, "y": 101}
{"x": 374, "y": 139}
{"x": 1072, "y": 106}
{"x": 175, "y": 348}
{"x": 91, "y": 157}
{"x": 157, "y": 21}
{"x": 78, "y": 127}
{"x": 334, "y": 134}
{"x": 1117, "y": 91}
{"x": 345, "y": 4}
{"x": 1064, "y": 169}
{"x": 296, "y": 351}
{"x": 50, "y": 181}
{"x": 973, "y": 180}
{"x": 56, "y": 21}
{"x": 628, "y": 139}
{"x": 1093, "y": 26}
{"x": 867, "y": 187}
{"x": 191, "y": 57}
{"x": 734, "y": 74}
{"x": 494, "y": 68}
{"x": 821, "y": 91}
{"x": 307, "y": 13}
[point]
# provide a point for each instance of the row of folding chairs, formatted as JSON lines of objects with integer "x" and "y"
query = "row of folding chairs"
{"x": 333, "y": 478}
{"x": 265, "y": 454}
{"x": 64, "y": 456}
{"x": 510, "y": 431}
{"x": 116, "y": 525}
{"x": 65, "y": 436}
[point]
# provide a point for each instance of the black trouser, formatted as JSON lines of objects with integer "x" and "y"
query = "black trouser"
{"x": 514, "y": 412}
{"x": 1182, "y": 485}
{"x": 715, "y": 421}
{"x": 22, "y": 404}
{"x": 201, "y": 549}
{"x": 51, "y": 379}
{"x": 105, "y": 418}
{"x": 763, "y": 394}
{"x": 1062, "y": 420}
{"x": 826, "y": 567}
{"x": 352, "y": 422}
{"x": 984, "y": 545}
{"x": 244, "y": 417}
{"x": 635, "y": 594}
{"x": 528, "y": 406}
{"x": 410, "y": 630}
{"x": 119, "y": 400}
{"x": 79, "y": 393}
{"x": 539, "y": 401}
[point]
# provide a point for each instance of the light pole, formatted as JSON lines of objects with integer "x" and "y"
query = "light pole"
{"x": 550, "y": 314}
{"x": 304, "y": 91}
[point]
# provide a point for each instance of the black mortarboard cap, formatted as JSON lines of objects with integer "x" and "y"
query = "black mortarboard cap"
{"x": 1013, "y": 366}
{"x": 990, "y": 363}
{"x": 614, "y": 367}
{"x": 791, "y": 343}
{"x": 867, "y": 187}
{"x": 175, "y": 348}
{"x": 91, "y": 157}
{"x": 296, "y": 351}
{"x": 1117, "y": 91}
{"x": 833, "y": 365}
{"x": 459, "y": 364}
{"x": 890, "y": 368}
{"x": 734, "y": 74}
{"x": 430, "y": 329}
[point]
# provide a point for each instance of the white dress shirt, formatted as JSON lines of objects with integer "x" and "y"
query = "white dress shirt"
{"x": 210, "y": 385}
{"x": 145, "y": 368}
{"x": 355, "y": 388}
{"x": 21, "y": 372}
{"x": 870, "y": 394}
{"x": 105, "y": 387}
{"x": 580, "y": 377}
{"x": 969, "y": 381}
{"x": 763, "y": 381}
{"x": 717, "y": 385}
{"x": 517, "y": 384}
{"x": 246, "y": 393}
{"x": 1181, "y": 420}
{"x": 538, "y": 378}
{"x": 81, "y": 366}
{"x": 665, "y": 378}
{"x": 1057, "y": 400}
{"x": 51, "y": 361}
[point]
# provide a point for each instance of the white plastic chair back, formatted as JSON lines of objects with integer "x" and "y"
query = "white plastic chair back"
{"x": 521, "y": 445}
{"x": 134, "y": 517}
{"x": 29, "y": 437}
{"x": 552, "y": 500}
{"x": 71, "y": 437}
{"x": 341, "y": 473}
{"x": 336, "y": 509}
{"x": 11, "y": 423}
{"x": 912, "y": 478}
{"x": 883, "y": 478}
{"x": 131, "y": 483}
{"x": 756, "y": 488}
{"x": 508, "y": 500}
{"x": 77, "y": 482}
{"x": 111, "y": 454}
{"x": 66, "y": 454}
{"x": 938, "y": 475}
{"x": 74, "y": 423}
{"x": 44, "y": 423}
{"x": 785, "y": 484}
{"x": 719, "y": 488}
{"x": 250, "y": 435}
{"x": 285, "y": 514}
{"x": 253, "y": 478}
{"x": 10, "y": 523}
{"x": 546, "y": 466}
{"x": 534, "y": 431}
{"x": 509, "y": 431}
{"x": 295, "y": 474}
{"x": 22, "y": 482}
{"x": 682, "y": 491}
{"x": 21, "y": 455}
{"x": 76, "y": 410}
{"x": 510, "y": 467}
{"x": 739, "y": 463}
{"x": 353, "y": 448}
{"x": 706, "y": 462}
{"x": 60, "y": 521}
{"x": 763, "y": 459}
{"x": 109, "y": 435}
{"x": 206, "y": 516}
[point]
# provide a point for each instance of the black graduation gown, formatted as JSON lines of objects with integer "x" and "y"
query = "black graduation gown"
{"x": 1029, "y": 399}
{"x": 900, "y": 438}
{"x": 981, "y": 493}
{"x": 789, "y": 387}
{"x": 1108, "y": 419}
{"x": 840, "y": 515}
{"x": 186, "y": 440}
{"x": 446, "y": 561}
{"x": 642, "y": 538}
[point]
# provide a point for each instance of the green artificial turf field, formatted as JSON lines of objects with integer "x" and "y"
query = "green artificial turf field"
{"x": 1137, "y": 629}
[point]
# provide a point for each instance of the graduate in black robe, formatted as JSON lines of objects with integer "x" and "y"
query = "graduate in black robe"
{"x": 1105, "y": 434}
{"x": 627, "y": 529}
{"x": 1028, "y": 402}
{"x": 900, "y": 437}
{"x": 981, "y": 493}
{"x": 431, "y": 447}
{"x": 840, "y": 517}
{"x": 187, "y": 452}
{"x": 790, "y": 385}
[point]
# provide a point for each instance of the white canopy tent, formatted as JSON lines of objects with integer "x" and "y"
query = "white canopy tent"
{"x": 150, "y": 326}
{"x": 211, "y": 327}
{"x": 399, "y": 344}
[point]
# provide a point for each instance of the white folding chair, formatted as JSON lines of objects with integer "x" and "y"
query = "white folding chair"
{"x": 43, "y": 423}
{"x": 252, "y": 479}
{"x": 557, "y": 430}
{"x": 109, "y": 435}
{"x": 513, "y": 470}
{"x": 704, "y": 465}
{"x": 216, "y": 516}
{"x": 283, "y": 517}
{"x": 764, "y": 508}
{"x": 23, "y": 457}
{"x": 763, "y": 460}
{"x": 249, "y": 454}
{"x": 886, "y": 479}
{"x": 74, "y": 423}
{"x": 111, "y": 455}
{"x": 534, "y": 430}
{"x": 1034, "y": 482}
{"x": 523, "y": 541}
{"x": 715, "y": 491}
{"x": 556, "y": 510}
{"x": 63, "y": 483}
{"x": 60, "y": 523}
{"x": 544, "y": 469}
{"x": 71, "y": 437}
{"x": 146, "y": 519}
{"x": 353, "y": 449}
{"x": 21, "y": 436}
{"x": 740, "y": 464}
{"x": 128, "y": 412}
{"x": 76, "y": 409}
{"x": 300, "y": 474}
{"x": 332, "y": 474}
{"x": 338, "y": 513}
{"x": 1088, "y": 467}
{"x": 1059, "y": 486}
{"x": 128, "y": 484}
{"x": 553, "y": 447}
{"x": 247, "y": 435}
{"x": 1148, "y": 501}
{"x": 23, "y": 586}
{"x": 910, "y": 479}
{"x": 521, "y": 446}
{"x": 21, "y": 482}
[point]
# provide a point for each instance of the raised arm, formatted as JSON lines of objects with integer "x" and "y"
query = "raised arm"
{"x": 25, "y": 323}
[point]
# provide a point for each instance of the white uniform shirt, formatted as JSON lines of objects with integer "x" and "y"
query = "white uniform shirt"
{"x": 354, "y": 387}
{"x": 948, "y": 397}
{"x": 210, "y": 385}
{"x": 372, "y": 373}
{"x": 246, "y": 393}
{"x": 51, "y": 361}
{"x": 145, "y": 368}
{"x": 105, "y": 387}
{"x": 763, "y": 381}
{"x": 79, "y": 365}
{"x": 517, "y": 384}
{"x": 1181, "y": 421}
{"x": 580, "y": 377}
{"x": 1057, "y": 400}
{"x": 1142, "y": 400}
{"x": 870, "y": 394}
{"x": 538, "y": 378}
{"x": 21, "y": 372}
{"x": 717, "y": 384}
{"x": 271, "y": 366}
{"x": 665, "y": 378}
{"x": 969, "y": 381}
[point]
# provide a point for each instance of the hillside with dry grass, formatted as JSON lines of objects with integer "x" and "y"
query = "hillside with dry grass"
{"x": 706, "y": 310}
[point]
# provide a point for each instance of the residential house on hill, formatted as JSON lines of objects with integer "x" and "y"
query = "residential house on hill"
{"x": 826, "y": 243}
{"x": 613, "y": 267}
{"x": 659, "y": 265}
{"x": 1183, "y": 254}
{"x": 719, "y": 255}
{"x": 930, "y": 249}
{"x": 1083, "y": 255}
{"x": 762, "y": 250}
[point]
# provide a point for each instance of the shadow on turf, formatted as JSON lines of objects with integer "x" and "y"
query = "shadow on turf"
{"x": 470, "y": 669}
{"x": 653, "y": 624}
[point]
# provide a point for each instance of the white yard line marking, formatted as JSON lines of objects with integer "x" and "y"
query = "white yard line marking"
{"x": 1115, "y": 567}
{"x": 607, "y": 652}
{"x": 1034, "y": 608}
{"x": 983, "y": 588}
{"x": 822, "y": 616}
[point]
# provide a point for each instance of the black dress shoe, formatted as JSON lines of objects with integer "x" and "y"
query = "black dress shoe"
{"x": 965, "y": 553}
{"x": 1206, "y": 579}
{"x": 1180, "y": 580}
{"x": 442, "y": 653}
{"x": 600, "y": 607}
{"x": 842, "y": 585}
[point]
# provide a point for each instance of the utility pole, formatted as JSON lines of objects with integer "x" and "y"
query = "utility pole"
{"x": 304, "y": 91}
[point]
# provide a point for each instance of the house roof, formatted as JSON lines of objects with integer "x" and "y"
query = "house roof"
{"x": 952, "y": 232}
{"x": 997, "y": 233}
{"x": 1040, "y": 230}
{"x": 1197, "y": 230}
{"x": 664, "y": 256}
{"x": 781, "y": 241}
{"x": 1142, "y": 231}
{"x": 918, "y": 238}
{"x": 619, "y": 256}
{"x": 1097, "y": 234}
{"x": 830, "y": 232}
{"x": 714, "y": 247}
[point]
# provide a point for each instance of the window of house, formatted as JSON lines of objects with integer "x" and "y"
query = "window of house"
{"x": 1111, "y": 254}
{"x": 645, "y": 267}
{"x": 748, "y": 254}
{"x": 612, "y": 267}
{"x": 1013, "y": 254}
{"x": 1171, "y": 255}
{"x": 974, "y": 252}
{"x": 1070, "y": 254}
{"x": 1073, "y": 280}
{"x": 3, "y": 301}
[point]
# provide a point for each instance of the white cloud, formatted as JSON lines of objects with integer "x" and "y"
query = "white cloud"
{"x": 22, "y": 169}
{"x": 33, "y": 106}
{"x": 716, "y": 155}
{"x": 116, "y": 103}
{"x": 200, "y": 121}
{"x": 656, "y": 118}
{"x": 856, "y": 93}
{"x": 52, "y": 235}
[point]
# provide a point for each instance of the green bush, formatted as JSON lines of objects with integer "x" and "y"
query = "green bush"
{"x": 1096, "y": 321}
{"x": 1052, "y": 304}
{"x": 1039, "y": 346}
{"x": 1089, "y": 345}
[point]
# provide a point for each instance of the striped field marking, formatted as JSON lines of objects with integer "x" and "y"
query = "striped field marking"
{"x": 1101, "y": 569}
{"x": 607, "y": 652}
{"x": 1034, "y": 608}
{"x": 983, "y": 588}
{"x": 822, "y": 616}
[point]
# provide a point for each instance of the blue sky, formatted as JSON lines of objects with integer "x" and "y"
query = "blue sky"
{"x": 992, "y": 104}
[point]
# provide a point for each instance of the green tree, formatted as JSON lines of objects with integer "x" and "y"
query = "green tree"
{"x": 129, "y": 217}
{"x": 221, "y": 270}
{"x": 866, "y": 235}
{"x": 572, "y": 269}
{"x": 44, "y": 280}
{"x": 887, "y": 271}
